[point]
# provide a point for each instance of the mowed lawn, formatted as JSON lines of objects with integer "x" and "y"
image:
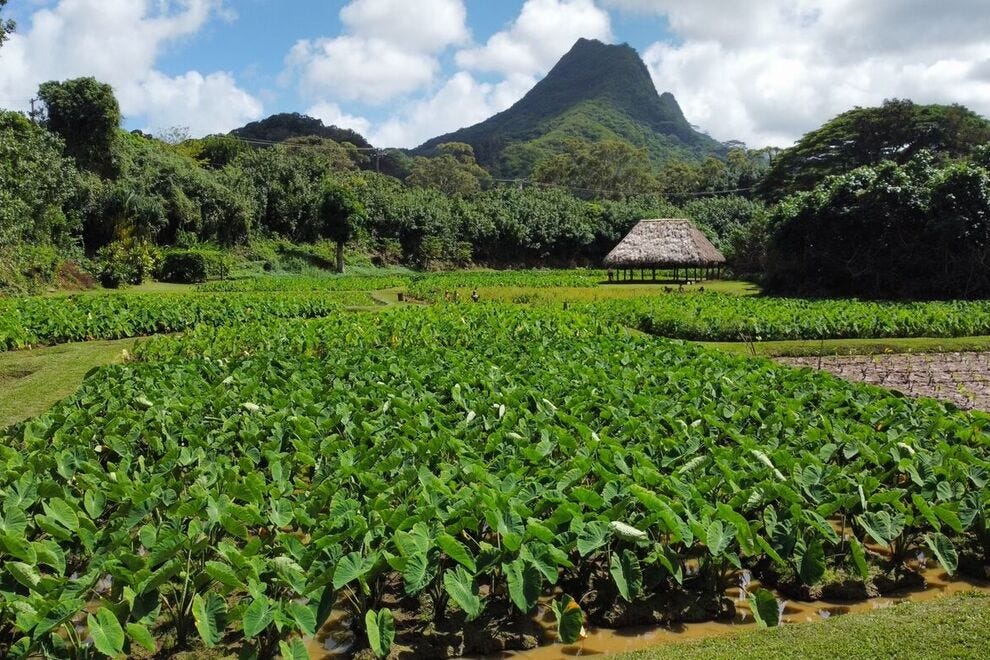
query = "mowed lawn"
{"x": 31, "y": 381}
{"x": 951, "y": 627}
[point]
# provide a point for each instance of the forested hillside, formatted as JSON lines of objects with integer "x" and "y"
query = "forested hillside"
{"x": 595, "y": 92}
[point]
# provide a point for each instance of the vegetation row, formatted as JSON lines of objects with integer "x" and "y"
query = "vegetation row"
{"x": 234, "y": 485}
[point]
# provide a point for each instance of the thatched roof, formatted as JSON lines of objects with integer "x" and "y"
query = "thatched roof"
{"x": 664, "y": 243}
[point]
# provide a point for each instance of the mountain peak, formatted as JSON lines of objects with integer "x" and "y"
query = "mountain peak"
{"x": 595, "y": 91}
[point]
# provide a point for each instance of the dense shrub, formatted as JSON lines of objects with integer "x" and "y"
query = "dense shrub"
{"x": 126, "y": 261}
{"x": 912, "y": 230}
{"x": 183, "y": 266}
{"x": 37, "y": 185}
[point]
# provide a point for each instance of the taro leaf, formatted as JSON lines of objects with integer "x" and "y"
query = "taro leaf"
{"x": 281, "y": 513}
{"x": 627, "y": 574}
{"x": 592, "y": 536}
{"x": 462, "y": 589}
{"x": 381, "y": 631}
{"x": 108, "y": 636}
{"x": 233, "y": 526}
{"x": 765, "y": 609}
{"x": 303, "y": 615}
{"x": 949, "y": 517}
{"x": 223, "y": 574}
{"x": 670, "y": 561}
{"x": 94, "y": 503}
{"x": 540, "y": 557}
{"x": 141, "y": 635}
{"x": 525, "y": 583}
{"x": 717, "y": 538}
{"x": 257, "y": 617}
{"x": 881, "y": 525}
{"x": 26, "y": 574}
{"x": 18, "y": 546}
{"x": 812, "y": 563}
{"x": 63, "y": 513}
{"x": 292, "y": 573}
{"x": 944, "y": 551}
{"x": 417, "y": 572}
{"x": 60, "y": 612}
{"x": 13, "y": 521}
{"x": 350, "y": 567}
{"x": 294, "y": 650}
{"x": 628, "y": 532}
{"x": 770, "y": 551}
{"x": 456, "y": 551}
{"x": 859, "y": 559}
{"x": 537, "y": 530}
{"x": 570, "y": 619}
{"x": 50, "y": 554}
{"x": 209, "y": 616}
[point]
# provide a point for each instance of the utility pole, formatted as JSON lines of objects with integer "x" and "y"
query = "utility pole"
{"x": 35, "y": 113}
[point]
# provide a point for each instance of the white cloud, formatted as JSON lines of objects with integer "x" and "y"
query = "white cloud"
{"x": 359, "y": 69}
{"x": 461, "y": 101}
{"x": 331, "y": 115}
{"x": 206, "y": 104}
{"x": 390, "y": 50}
{"x": 539, "y": 36}
{"x": 425, "y": 26}
{"x": 766, "y": 72}
{"x": 119, "y": 42}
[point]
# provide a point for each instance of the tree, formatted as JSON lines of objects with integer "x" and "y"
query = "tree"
{"x": 85, "y": 114}
{"x": 340, "y": 212}
{"x": 453, "y": 171}
{"x": 896, "y": 131}
{"x": 908, "y": 231}
{"x": 37, "y": 185}
{"x": 678, "y": 178}
{"x": 6, "y": 26}
{"x": 607, "y": 169}
{"x": 214, "y": 151}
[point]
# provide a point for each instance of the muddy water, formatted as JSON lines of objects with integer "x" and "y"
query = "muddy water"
{"x": 335, "y": 641}
{"x": 603, "y": 642}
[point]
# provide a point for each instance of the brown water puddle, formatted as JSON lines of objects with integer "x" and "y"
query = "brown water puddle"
{"x": 335, "y": 641}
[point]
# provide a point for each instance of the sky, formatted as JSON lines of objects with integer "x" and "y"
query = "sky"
{"x": 403, "y": 71}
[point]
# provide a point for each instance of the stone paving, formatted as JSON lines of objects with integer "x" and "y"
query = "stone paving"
{"x": 962, "y": 378}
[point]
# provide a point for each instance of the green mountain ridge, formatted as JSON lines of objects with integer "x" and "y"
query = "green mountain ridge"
{"x": 596, "y": 91}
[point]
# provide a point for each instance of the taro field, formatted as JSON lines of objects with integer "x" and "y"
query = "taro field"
{"x": 461, "y": 479}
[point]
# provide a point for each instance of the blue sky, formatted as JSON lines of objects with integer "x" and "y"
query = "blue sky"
{"x": 402, "y": 71}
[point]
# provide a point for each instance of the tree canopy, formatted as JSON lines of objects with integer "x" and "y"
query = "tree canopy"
{"x": 452, "y": 171}
{"x": 608, "y": 169}
{"x": 7, "y": 26}
{"x": 895, "y": 131}
{"x": 85, "y": 113}
{"x": 37, "y": 185}
{"x": 340, "y": 213}
{"x": 891, "y": 230}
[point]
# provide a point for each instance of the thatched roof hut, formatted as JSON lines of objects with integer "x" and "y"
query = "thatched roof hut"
{"x": 667, "y": 243}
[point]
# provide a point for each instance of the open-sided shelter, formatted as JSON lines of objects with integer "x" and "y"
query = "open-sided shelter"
{"x": 665, "y": 245}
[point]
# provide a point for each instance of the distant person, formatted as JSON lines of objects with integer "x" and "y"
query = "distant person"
{"x": 611, "y": 274}
{"x": 474, "y": 296}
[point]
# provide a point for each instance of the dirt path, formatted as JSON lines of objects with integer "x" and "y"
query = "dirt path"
{"x": 962, "y": 378}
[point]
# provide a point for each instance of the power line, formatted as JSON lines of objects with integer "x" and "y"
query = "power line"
{"x": 275, "y": 143}
{"x": 520, "y": 182}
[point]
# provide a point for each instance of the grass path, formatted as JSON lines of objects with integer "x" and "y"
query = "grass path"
{"x": 816, "y": 347}
{"x": 950, "y": 627}
{"x": 31, "y": 381}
